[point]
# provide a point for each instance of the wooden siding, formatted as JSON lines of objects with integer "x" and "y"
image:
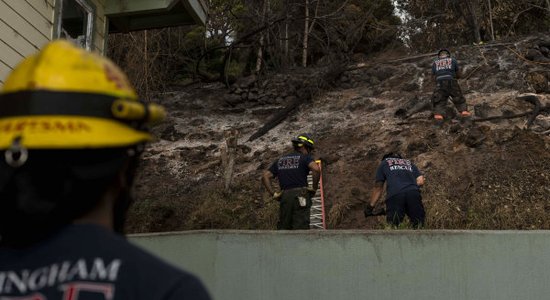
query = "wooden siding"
{"x": 25, "y": 26}
{"x": 44, "y": 8}
{"x": 99, "y": 26}
{"x": 40, "y": 23}
{"x": 4, "y": 72}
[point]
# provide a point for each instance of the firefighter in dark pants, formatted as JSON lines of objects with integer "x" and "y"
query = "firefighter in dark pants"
{"x": 291, "y": 171}
{"x": 403, "y": 181}
{"x": 445, "y": 69}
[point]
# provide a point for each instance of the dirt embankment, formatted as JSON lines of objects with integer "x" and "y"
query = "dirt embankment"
{"x": 494, "y": 174}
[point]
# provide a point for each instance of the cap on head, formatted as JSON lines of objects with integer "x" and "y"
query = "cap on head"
{"x": 391, "y": 155}
{"x": 67, "y": 98}
{"x": 444, "y": 52}
{"x": 304, "y": 140}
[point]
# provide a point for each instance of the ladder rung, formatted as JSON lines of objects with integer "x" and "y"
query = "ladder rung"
{"x": 316, "y": 213}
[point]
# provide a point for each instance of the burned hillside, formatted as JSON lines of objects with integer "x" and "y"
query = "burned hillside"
{"x": 492, "y": 174}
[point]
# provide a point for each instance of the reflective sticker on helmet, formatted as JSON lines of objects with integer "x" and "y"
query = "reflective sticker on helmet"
{"x": 115, "y": 76}
{"x": 44, "y": 126}
{"x": 303, "y": 138}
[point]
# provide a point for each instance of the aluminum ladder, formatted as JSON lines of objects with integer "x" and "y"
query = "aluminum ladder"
{"x": 317, "y": 213}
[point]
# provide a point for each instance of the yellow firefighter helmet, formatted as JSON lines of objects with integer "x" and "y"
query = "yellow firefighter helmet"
{"x": 67, "y": 98}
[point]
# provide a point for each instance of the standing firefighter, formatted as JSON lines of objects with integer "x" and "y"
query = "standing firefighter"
{"x": 292, "y": 170}
{"x": 403, "y": 181}
{"x": 71, "y": 132}
{"x": 445, "y": 69}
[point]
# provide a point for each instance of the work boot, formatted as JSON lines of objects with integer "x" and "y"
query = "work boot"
{"x": 465, "y": 114}
{"x": 438, "y": 120}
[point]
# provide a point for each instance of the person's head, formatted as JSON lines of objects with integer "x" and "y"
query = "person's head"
{"x": 303, "y": 143}
{"x": 71, "y": 131}
{"x": 392, "y": 154}
{"x": 444, "y": 53}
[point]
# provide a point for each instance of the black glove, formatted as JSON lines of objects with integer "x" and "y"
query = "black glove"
{"x": 369, "y": 210}
{"x": 381, "y": 212}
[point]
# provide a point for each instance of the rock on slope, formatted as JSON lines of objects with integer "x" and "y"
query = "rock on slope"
{"x": 492, "y": 175}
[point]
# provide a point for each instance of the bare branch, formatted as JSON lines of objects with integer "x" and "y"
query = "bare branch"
{"x": 511, "y": 27}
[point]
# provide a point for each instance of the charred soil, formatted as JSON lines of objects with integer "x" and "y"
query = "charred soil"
{"x": 491, "y": 174}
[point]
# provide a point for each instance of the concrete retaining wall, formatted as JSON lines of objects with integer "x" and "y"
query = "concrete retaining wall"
{"x": 260, "y": 265}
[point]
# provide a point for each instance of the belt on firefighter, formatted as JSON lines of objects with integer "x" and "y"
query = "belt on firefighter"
{"x": 295, "y": 189}
{"x": 444, "y": 77}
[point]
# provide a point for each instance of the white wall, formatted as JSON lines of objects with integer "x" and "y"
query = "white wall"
{"x": 362, "y": 264}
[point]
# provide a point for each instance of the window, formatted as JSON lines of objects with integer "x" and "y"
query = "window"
{"x": 74, "y": 21}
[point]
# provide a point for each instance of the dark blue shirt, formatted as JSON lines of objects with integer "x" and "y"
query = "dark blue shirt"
{"x": 89, "y": 262}
{"x": 400, "y": 175}
{"x": 445, "y": 68}
{"x": 291, "y": 170}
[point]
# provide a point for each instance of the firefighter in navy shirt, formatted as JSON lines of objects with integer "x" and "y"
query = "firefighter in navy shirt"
{"x": 71, "y": 131}
{"x": 445, "y": 70}
{"x": 403, "y": 181}
{"x": 292, "y": 170}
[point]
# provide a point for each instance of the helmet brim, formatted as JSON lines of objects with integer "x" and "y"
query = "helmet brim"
{"x": 296, "y": 141}
{"x": 68, "y": 132}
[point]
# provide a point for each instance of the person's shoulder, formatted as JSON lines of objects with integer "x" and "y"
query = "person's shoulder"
{"x": 383, "y": 163}
{"x": 139, "y": 257}
{"x": 116, "y": 245}
{"x": 179, "y": 284}
{"x": 136, "y": 271}
{"x": 151, "y": 268}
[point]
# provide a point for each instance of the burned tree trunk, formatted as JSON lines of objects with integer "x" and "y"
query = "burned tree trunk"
{"x": 533, "y": 99}
{"x": 306, "y": 34}
{"x": 276, "y": 119}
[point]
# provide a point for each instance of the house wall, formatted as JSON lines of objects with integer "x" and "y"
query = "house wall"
{"x": 100, "y": 26}
{"x": 25, "y": 26}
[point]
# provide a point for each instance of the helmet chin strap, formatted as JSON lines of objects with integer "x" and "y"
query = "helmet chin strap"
{"x": 125, "y": 197}
{"x": 120, "y": 209}
{"x": 5, "y": 175}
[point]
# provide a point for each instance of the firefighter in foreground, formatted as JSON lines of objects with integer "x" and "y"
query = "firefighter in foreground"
{"x": 71, "y": 132}
{"x": 291, "y": 171}
{"x": 403, "y": 181}
{"x": 445, "y": 70}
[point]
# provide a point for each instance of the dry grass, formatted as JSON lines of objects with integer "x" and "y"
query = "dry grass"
{"x": 338, "y": 212}
{"x": 207, "y": 208}
{"x": 236, "y": 210}
{"x": 507, "y": 194}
